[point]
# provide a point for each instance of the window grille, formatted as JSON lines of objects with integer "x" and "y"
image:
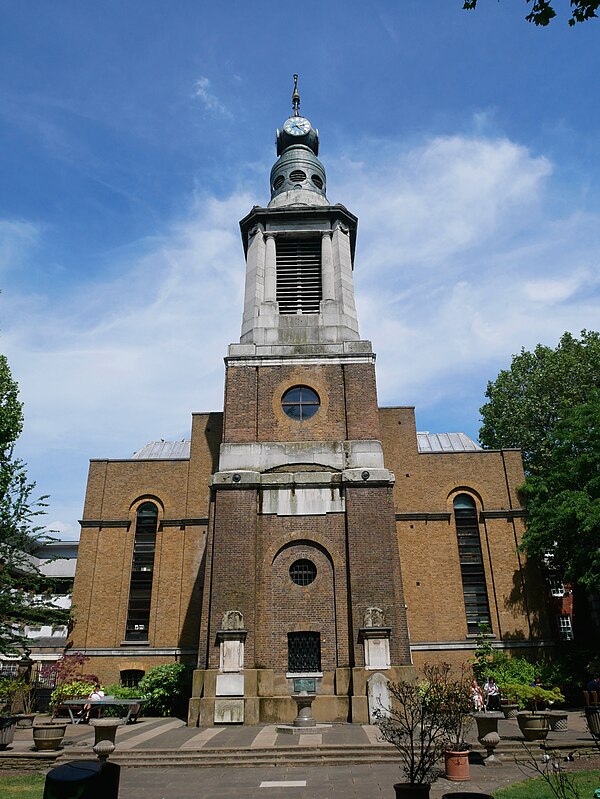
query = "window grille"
{"x": 565, "y": 627}
{"x": 304, "y": 652}
{"x": 140, "y": 591}
{"x": 557, "y": 588}
{"x": 471, "y": 563}
{"x": 131, "y": 677}
{"x": 298, "y": 276}
{"x": 303, "y": 572}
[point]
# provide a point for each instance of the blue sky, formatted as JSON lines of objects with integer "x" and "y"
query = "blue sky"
{"x": 134, "y": 136}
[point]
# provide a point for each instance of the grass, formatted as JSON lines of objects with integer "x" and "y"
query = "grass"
{"x": 24, "y": 786}
{"x": 585, "y": 782}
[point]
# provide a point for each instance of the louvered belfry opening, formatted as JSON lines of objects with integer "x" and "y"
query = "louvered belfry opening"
{"x": 299, "y": 275}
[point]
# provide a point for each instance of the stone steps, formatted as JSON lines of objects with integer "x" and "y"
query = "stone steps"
{"x": 274, "y": 756}
{"x": 332, "y": 755}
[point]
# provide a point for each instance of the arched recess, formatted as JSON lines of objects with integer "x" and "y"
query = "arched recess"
{"x": 142, "y": 571}
{"x": 466, "y": 506}
{"x": 295, "y": 607}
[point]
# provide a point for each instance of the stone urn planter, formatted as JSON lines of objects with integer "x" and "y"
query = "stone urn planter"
{"x": 592, "y": 716}
{"x": 559, "y": 720}
{"x": 47, "y": 737}
{"x": 7, "y": 730}
{"x": 509, "y": 709}
{"x": 105, "y": 731}
{"x": 25, "y": 720}
{"x": 457, "y": 765}
{"x": 534, "y": 726}
{"x": 487, "y": 734}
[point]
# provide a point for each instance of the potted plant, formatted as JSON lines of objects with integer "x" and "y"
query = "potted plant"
{"x": 455, "y": 698}
{"x": 23, "y": 703}
{"x": 8, "y": 720}
{"x": 533, "y": 723}
{"x": 419, "y": 725}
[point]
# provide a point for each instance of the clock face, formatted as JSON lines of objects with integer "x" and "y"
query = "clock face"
{"x": 296, "y": 126}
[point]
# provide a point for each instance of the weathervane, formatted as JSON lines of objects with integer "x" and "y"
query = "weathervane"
{"x": 296, "y": 98}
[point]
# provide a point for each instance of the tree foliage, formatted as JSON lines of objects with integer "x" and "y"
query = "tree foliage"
{"x": 528, "y": 401}
{"x": 166, "y": 689}
{"x": 24, "y": 595}
{"x": 563, "y": 501}
{"x": 542, "y": 11}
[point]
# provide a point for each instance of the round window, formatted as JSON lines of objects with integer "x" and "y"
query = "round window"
{"x": 303, "y": 572}
{"x": 278, "y": 182}
{"x": 317, "y": 181}
{"x": 300, "y": 402}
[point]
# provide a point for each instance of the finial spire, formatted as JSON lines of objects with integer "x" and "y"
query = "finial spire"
{"x": 296, "y": 98}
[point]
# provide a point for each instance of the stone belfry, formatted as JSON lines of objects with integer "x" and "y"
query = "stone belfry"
{"x": 302, "y": 583}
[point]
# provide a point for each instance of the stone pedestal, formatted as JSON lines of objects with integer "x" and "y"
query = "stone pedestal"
{"x": 304, "y": 717}
{"x": 487, "y": 735}
{"x": 105, "y": 731}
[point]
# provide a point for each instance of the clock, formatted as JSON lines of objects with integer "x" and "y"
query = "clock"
{"x": 297, "y": 126}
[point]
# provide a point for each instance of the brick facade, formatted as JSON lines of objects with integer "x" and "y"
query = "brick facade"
{"x": 347, "y": 489}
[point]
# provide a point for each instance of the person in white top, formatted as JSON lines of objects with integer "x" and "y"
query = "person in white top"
{"x": 492, "y": 694}
{"x": 96, "y": 694}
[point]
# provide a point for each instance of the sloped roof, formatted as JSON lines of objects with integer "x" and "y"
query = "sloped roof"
{"x": 446, "y": 442}
{"x": 427, "y": 442}
{"x": 156, "y": 450}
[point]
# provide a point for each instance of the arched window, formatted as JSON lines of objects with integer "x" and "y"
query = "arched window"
{"x": 142, "y": 570}
{"x": 471, "y": 563}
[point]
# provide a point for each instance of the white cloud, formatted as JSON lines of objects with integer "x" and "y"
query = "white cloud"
{"x": 17, "y": 239}
{"x": 461, "y": 260}
{"x": 210, "y": 101}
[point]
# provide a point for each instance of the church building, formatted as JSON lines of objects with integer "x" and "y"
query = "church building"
{"x": 303, "y": 539}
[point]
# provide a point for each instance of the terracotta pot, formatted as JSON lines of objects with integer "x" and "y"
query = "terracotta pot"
{"x": 7, "y": 730}
{"x": 457, "y": 766}
{"x": 48, "y": 736}
{"x": 534, "y": 726}
{"x": 411, "y": 790}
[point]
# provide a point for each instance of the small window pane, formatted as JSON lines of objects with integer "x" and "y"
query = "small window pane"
{"x": 300, "y": 402}
{"x": 303, "y": 572}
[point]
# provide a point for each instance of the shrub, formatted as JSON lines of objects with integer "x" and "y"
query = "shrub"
{"x": 119, "y": 692}
{"x": 532, "y": 696}
{"x": 8, "y": 689}
{"x": 165, "y": 689}
{"x": 75, "y": 689}
{"x": 506, "y": 669}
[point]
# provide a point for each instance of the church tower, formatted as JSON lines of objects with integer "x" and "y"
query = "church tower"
{"x": 265, "y": 550}
{"x": 303, "y": 582}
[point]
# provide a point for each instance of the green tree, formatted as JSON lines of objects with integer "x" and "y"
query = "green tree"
{"x": 563, "y": 501}
{"x": 542, "y": 11}
{"x": 24, "y": 597}
{"x": 528, "y": 401}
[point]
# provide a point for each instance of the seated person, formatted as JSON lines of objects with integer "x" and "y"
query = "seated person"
{"x": 96, "y": 694}
{"x": 492, "y": 693}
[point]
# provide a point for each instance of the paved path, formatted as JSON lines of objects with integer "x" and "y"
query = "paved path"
{"x": 353, "y": 781}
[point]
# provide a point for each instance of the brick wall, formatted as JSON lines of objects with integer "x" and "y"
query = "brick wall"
{"x": 348, "y": 403}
